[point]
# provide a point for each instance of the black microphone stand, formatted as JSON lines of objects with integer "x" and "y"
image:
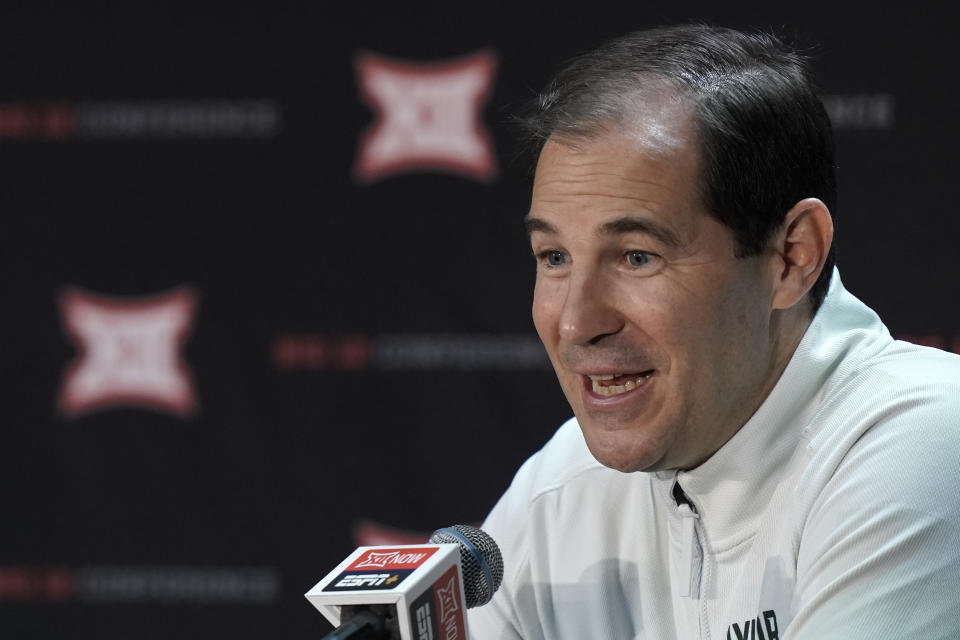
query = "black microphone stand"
{"x": 364, "y": 625}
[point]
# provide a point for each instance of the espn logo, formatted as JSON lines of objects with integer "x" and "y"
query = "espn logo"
{"x": 367, "y": 580}
{"x": 424, "y": 622}
{"x": 393, "y": 559}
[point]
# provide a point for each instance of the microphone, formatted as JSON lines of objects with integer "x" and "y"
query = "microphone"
{"x": 411, "y": 592}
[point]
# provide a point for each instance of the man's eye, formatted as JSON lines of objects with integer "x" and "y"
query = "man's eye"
{"x": 552, "y": 258}
{"x": 638, "y": 258}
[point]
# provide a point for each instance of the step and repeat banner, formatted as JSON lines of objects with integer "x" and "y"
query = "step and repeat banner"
{"x": 266, "y": 287}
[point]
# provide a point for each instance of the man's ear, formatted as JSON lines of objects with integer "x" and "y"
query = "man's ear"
{"x": 801, "y": 246}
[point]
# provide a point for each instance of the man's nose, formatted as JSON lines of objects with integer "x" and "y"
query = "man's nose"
{"x": 589, "y": 310}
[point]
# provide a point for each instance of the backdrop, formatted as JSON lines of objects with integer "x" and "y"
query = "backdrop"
{"x": 266, "y": 287}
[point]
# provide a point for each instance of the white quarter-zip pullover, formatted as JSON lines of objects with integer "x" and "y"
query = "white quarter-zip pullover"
{"x": 833, "y": 513}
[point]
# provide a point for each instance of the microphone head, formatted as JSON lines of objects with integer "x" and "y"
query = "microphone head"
{"x": 480, "y": 560}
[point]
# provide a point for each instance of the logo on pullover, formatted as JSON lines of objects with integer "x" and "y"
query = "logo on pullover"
{"x": 763, "y": 627}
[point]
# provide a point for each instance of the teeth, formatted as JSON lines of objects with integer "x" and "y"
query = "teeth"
{"x": 615, "y": 389}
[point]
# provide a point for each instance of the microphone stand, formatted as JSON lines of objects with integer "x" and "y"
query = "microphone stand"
{"x": 365, "y": 625}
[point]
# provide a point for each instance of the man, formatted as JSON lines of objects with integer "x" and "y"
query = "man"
{"x": 753, "y": 456}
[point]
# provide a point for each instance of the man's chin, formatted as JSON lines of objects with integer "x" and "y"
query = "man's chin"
{"x": 625, "y": 458}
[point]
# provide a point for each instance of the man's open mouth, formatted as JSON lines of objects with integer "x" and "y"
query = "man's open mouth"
{"x": 613, "y": 385}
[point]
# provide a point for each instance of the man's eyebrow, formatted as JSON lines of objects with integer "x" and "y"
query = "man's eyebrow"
{"x": 536, "y": 224}
{"x": 631, "y": 224}
{"x": 628, "y": 224}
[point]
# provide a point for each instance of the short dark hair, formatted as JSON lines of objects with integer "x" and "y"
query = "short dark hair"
{"x": 766, "y": 139}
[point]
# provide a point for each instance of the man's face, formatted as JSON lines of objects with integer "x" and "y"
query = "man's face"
{"x": 661, "y": 337}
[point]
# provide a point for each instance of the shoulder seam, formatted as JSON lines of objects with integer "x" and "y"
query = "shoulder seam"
{"x": 559, "y": 484}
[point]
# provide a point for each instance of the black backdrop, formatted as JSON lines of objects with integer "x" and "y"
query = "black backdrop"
{"x": 357, "y": 362}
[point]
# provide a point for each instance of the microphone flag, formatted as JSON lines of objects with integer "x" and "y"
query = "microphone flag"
{"x": 417, "y": 589}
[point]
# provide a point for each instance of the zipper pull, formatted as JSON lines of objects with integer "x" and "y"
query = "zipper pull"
{"x": 690, "y": 559}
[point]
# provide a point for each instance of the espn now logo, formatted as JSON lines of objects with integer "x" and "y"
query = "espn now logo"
{"x": 393, "y": 559}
